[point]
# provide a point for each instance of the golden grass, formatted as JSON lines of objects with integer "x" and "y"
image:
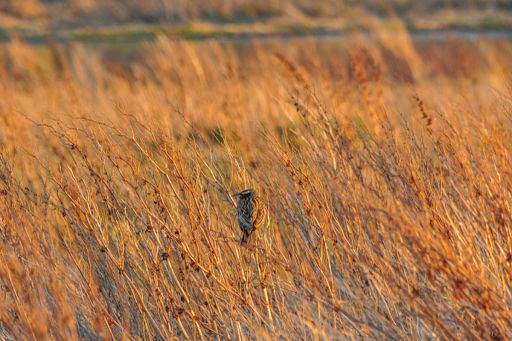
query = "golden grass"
{"x": 385, "y": 166}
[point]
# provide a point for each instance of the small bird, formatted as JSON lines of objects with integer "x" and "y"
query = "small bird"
{"x": 249, "y": 213}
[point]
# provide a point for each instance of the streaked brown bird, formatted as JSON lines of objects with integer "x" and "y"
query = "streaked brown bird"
{"x": 249, "y": 213}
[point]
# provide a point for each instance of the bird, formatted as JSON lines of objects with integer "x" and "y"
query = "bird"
{"x": 249, "y": 213}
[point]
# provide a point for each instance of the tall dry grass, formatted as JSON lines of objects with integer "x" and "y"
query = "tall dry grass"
{"x": 385, "y": 166}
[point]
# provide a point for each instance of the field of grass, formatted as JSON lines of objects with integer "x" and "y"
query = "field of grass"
{"x": 384, "y": 164}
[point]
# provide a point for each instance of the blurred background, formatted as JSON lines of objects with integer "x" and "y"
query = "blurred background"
{"x": 69, "y": 18}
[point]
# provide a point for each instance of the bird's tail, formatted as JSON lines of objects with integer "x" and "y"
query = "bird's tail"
{"x": 245, "y": 236}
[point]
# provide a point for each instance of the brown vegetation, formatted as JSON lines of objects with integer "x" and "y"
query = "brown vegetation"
{"x": 55, "y": 14}
{"x": 385, "y": 166}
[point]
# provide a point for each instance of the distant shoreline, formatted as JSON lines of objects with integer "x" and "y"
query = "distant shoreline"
{"x": 131, "y": 36}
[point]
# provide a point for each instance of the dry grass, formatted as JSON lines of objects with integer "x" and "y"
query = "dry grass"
{"x": 385, "y": 166}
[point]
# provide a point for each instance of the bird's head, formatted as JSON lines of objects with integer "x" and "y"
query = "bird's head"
{"x": 246, "y": 193}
